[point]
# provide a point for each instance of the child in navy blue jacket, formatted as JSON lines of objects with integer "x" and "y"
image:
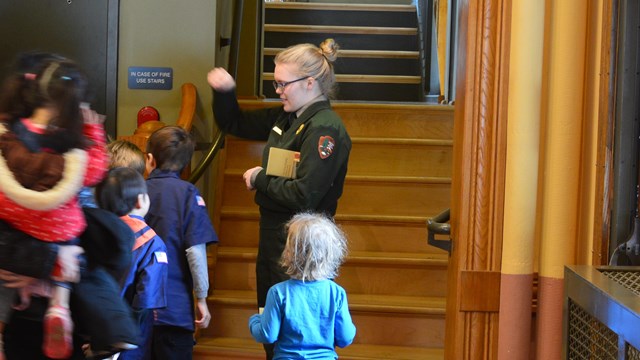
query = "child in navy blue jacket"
{"x": 124, "y": 193}
{"x": 179, "y": 215}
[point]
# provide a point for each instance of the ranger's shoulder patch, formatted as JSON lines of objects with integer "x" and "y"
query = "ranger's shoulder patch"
{"x": 326, "y": 144}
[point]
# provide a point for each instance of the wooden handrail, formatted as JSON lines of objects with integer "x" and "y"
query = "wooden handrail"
{"x": 188, "y": 106}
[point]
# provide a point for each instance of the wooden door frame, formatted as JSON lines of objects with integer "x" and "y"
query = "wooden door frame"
{"x": 479, "y": 167}
{"x": 478, "y": 179}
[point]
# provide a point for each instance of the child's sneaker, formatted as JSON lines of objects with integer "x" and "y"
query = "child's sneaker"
{"x": 58, "y": 330}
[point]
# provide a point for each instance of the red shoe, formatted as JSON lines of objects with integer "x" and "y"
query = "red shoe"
{"x": 58, "y": 330}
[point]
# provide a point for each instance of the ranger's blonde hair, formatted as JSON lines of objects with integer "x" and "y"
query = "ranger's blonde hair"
{"x": 315, "y": 249}
{"x": 315, "y": 62}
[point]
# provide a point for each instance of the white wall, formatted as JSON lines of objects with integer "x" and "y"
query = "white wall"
{"x": 171, "y": 33}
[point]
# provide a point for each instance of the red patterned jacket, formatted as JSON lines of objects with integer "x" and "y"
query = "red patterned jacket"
{"x": 38, "y": 191}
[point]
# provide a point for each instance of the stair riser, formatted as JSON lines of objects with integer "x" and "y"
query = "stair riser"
{"x": 390, "y": 199}
{"x": 392, "y": 280}
{"x": 399, "y": 329}
{"x": 365, "y": 91}
{"x": 365, "y": 66}
{"x": 418, "y": 280}
{"x": 387, "y": 121}
{"x": 430, "y": 123}
{"x": 278, "y": 39}
{"x": 362, "y": 235}
{"x": 374, "y": 159}
{"x": 400, "y": 160}
{"x": 371, "y": 328}
{"x": 341, "y": 18}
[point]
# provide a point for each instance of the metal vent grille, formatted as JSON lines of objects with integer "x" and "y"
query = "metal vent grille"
{"x": 588, "y": 337}
{"x": 628, "y": 279}
{"x": 632, "y": 353}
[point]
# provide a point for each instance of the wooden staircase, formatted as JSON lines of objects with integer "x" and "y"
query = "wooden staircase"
{"x": 379, "y": 58}
{"x": 399, "y": 175}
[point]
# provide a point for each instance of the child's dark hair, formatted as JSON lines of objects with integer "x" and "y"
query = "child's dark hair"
{"x": 118, "y": 192}
{"x": 171, "y": 147}
{"x": 43, "y": 79}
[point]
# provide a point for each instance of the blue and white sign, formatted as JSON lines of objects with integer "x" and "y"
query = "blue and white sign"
{"x": 154, "y": 78}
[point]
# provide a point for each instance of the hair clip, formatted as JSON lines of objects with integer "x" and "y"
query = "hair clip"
{"x": 30, "y": 76}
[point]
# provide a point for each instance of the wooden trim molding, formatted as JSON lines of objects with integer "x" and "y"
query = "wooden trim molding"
{"x": 478, "y": 178}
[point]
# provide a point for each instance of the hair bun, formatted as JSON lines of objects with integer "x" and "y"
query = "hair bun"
{"x": 329, "y": 49}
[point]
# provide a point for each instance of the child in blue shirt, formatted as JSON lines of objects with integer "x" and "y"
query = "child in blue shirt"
{"x": 179, "y": 215}
{"x": 307, "y": 316}
{"x": 124, "y": 192}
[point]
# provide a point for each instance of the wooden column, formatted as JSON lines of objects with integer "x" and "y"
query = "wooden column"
{"x": 521, "y": 181}
{"x": 478, "y": 180}
{"x": 563, "y": 113}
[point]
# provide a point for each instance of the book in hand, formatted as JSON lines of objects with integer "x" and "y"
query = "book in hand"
{"x": 283, "y": 162}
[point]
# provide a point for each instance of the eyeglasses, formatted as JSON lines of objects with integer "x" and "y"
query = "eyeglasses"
{"x": 282, "y": 85}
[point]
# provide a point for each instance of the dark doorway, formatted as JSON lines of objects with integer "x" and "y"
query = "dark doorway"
{"x": 626, "y": 201}
{"x": 83, "y": 30}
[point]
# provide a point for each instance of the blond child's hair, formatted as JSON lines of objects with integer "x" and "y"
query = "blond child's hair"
{"x": 315, "y": 248}
{"x": 126, "y": 154}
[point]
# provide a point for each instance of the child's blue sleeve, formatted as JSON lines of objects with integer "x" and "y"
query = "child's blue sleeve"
{"x": 265, "y": 327}
{"x": 345, "y": 330}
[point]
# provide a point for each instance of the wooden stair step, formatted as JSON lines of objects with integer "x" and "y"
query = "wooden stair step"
{"x": 362, "y": 91}
{"x": 248, "y": 349}
{"x": 360, "y": 54}
{"x": 364, "y": 233}
{"x": 367, "y": 273}
{"x": 418, "y": 305}
{"x": 341, "y": 6}
{"x": 397, "y": 39}
{"x": 383, "y": 320}
{"x": 370, "y": 66}
{"x": 392, "y": 120}
{"x": 420, "y": 158}
{"x": 242, "y": 212}
{"x": 325, "y": 29}
{"x": 399, "y": 196}
{"x": 366, "y": 79}
{"x": 354, "y": 16}
{"x": 353, "y": 258}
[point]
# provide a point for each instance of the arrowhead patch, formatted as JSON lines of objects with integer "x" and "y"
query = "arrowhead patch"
{"x": 326, "y": 144}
